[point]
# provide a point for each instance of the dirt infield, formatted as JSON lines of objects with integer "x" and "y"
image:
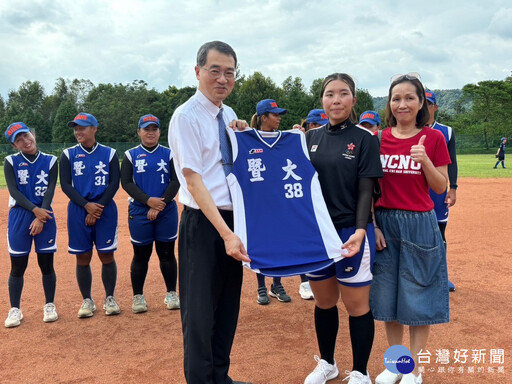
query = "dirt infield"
{"x": 274, "y": 344}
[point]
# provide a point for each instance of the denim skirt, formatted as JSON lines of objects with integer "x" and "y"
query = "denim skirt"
{"x": 410, "y": 278}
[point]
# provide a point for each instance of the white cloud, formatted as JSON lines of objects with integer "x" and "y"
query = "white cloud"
{"x": 501, "y": 23}
{"x": 449, "y": 43}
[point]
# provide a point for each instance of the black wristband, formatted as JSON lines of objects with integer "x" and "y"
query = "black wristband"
{"x": 454, "y": 186}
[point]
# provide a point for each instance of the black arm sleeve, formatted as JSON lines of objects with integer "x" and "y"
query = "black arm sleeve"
{"x": 452, "y": 168}
{"x": 172, "y": 189}
{"x": 127, "y": 182}
{"x": 113, "y": 184}
{"x": 12, "y": 186}
{"x": 364, "y": 202}
{"x": 52, "y": 183}
{"x": 66, "y": 182}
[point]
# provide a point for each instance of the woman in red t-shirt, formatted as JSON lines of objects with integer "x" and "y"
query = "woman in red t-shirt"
{"x": 410, "y": 283}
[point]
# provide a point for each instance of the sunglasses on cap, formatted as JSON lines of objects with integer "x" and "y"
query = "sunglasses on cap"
{"x": 408, "y": 76}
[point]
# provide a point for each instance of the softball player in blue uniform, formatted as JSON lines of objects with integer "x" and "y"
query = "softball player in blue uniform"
{"x": 446, "y": 200}
{"x": 147, "y": 174}
{"x": 89, "y": 176}
{"x": 31, "y": 178}
{"x": 500, "y": 155}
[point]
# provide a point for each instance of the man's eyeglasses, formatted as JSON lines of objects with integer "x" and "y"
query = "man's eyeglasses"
{"x": 408, "y": 76}
{"x": 216, "y": 73}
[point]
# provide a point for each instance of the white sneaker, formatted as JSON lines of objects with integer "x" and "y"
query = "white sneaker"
{"x": 305, "y": 291}
{"x": 411, "y": 379}
{"x": 171, "y": 300}
{"x": 87, "y": 309}
{"x": 356, "y": 377}
{"x": 139, "y": 304}
{"x": 13, "y": 318}
{"x": 322, "y": 373}
{"x": 111, "y": 307}
{"x": 50, "y": 314}
{"x": 387, "y": 377}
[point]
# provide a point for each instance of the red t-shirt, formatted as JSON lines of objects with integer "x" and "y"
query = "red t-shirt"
{"x": 404, "y": 185}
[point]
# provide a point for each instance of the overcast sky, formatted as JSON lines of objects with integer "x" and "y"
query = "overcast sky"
{"x": 450, "y": 43}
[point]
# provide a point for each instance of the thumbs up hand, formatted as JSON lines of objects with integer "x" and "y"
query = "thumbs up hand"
{"x": 418, "y": 153}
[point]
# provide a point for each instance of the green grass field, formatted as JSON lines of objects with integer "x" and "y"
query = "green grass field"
{"x": 479, "y": 166}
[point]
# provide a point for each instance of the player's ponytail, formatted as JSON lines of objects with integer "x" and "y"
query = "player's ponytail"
{"x": 256, "y": 121}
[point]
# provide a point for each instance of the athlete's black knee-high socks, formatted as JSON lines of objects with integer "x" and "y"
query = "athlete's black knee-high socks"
{"x": 139, "y": 266}
{"x": 16, "y": 277}
{"x": 109, "y": 277}
{"x": 168, "y": 265}
{"x": 326, "y": 325}
{"x": 45, "y": 261}
{"x": 362, "y": 331}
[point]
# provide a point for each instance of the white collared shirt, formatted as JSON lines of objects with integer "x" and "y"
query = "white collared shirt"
{"x": 194, "y": 141}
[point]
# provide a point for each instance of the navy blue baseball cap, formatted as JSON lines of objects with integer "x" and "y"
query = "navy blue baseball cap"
{"x": 148, "y": 120}
{"x": 317, "y": 116}
{"x": 371, "y": 117}
{"x": 269, "y": 106}
{"x": 12, "y": 131}
{"x": 83, "y": 119}
{"x": 430, "y": 96}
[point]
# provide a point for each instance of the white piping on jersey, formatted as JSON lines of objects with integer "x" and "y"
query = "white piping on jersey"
{"x": 271, "y": 135}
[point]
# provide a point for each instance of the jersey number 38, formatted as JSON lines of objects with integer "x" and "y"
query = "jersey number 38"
{"x": 293, "y": 190}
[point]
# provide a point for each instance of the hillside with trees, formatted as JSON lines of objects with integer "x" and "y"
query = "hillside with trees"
{"x": 479, "y": 110}
{"x": 449, "y": 101}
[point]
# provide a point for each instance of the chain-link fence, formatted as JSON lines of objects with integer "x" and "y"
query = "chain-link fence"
{"x": 466, "y": 144}
{"x": 477, "y": 144}
{"x": 57, "y": 148}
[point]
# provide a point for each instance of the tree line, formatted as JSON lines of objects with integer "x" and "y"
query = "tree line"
{"x": 482, "y": 109}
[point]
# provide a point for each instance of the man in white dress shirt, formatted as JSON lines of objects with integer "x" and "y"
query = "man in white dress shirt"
{"x": 210, "y": 254}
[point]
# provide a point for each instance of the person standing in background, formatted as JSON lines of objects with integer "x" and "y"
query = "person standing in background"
{"x": 500, "y": 155}
{"x": 267, "y": 119}
{"x": 316, "y": 118}
{"x": 371, "y": 121}
{"x": 444, "y": 201}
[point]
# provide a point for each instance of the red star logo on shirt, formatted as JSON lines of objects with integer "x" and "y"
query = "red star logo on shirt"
{"x": 351, "y": 146}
